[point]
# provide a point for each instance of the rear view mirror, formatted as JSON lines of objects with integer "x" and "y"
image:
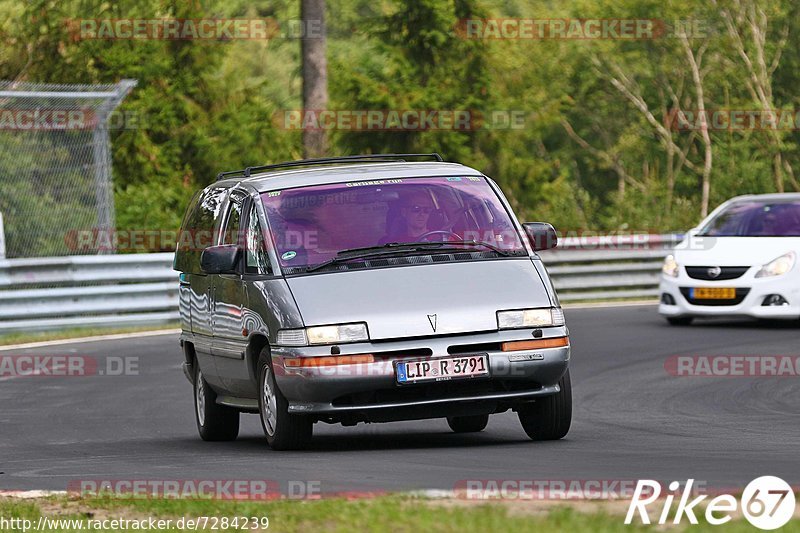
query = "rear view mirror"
{"x": 221, "y": 259}
{"x": 542, "y": 235}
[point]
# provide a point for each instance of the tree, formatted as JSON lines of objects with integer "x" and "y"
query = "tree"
{"x": 315, "y": 72}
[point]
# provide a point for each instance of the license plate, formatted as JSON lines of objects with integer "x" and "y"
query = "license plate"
{"x": 713, "y": 293}
{"x": 467, "y": 366}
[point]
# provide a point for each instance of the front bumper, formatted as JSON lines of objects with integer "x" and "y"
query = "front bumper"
{"x": 757, "y": 290}
{"x": 369, "y": 391}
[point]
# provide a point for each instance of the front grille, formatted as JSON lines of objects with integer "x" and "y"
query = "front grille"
{"x": 435, "y": 391}
{"x": 701, "y": 272}
{"x": 461, "y": 349}
{"x": 740, "y": 295}
{"x": 403, "y": 354}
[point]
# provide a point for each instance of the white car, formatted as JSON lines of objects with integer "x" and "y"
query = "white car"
{"x": 740, "y": 261}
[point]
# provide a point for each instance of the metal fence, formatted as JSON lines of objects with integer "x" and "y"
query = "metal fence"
{"x": 55, "y": 163}
{"x": 142, "y": 289}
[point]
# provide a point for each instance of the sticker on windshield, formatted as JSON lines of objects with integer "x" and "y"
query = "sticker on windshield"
{"x": 453, "y": 179}
{"x": 372, "y": 182}
{"x": 288, "y": 256}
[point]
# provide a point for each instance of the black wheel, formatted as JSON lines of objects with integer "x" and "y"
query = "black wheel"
{"x": 214, "y": 422}
{"x": 679, "y": 320}
{"x": 549, "y": 418}
{"x": 468, "y": 424}
{"x": 284, "y": 431}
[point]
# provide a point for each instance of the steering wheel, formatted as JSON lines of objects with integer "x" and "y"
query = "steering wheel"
{"x": 443, "y": 233}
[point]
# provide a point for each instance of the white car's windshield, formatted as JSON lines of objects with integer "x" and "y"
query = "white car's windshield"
{"x": 311, "y": 225}
{"x": 756, "y": 219}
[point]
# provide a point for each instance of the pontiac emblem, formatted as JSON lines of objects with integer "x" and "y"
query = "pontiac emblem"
{"x": 432, "y": 320}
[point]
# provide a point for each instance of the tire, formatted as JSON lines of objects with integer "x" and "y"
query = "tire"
{"x": 468, "y": 424}
{"x": 214, "y": 422}
{"x": 284, "y": 431}
{"x": 679, "y": 320}
{"x": 549, "y": 418}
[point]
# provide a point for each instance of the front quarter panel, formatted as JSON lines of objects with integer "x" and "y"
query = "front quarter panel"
{"x": 270, "y": 307}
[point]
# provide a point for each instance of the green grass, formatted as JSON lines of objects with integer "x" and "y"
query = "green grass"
{"x": 387, "y": 513}
{"x": 74, "y": 333}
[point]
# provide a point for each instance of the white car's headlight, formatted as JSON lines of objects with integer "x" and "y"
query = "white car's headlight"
{"x": 530, "y": 318}
{"x": 670, "y": 267}
{"x": 778, "y": 266}
{"x": 323, "y": 335}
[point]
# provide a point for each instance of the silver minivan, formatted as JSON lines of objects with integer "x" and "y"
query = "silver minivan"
{"x": 368, "y": 288}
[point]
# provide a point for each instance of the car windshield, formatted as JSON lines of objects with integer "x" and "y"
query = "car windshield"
{"x": 756, "y": 219}
{"x": 311, "y": 225}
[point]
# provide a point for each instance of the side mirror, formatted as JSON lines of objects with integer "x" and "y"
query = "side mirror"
{"x": 542, "y": 235}
{"x": 222, "y": 259}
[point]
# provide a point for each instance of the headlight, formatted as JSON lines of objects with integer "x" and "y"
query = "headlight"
{"x": 323, "y": 335}
{"x": 781, "y": 265}
{"x": 670, "y": 267}
{"x": 530, "y": 318}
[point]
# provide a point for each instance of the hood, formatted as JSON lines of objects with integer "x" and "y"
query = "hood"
{"x": 396, "y": 302}
{"x": 733, "y": 251}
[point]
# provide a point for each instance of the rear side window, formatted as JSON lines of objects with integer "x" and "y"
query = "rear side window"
{"x": 197, "y": 232}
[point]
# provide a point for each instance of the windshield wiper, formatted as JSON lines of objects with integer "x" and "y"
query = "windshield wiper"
{"x": 492, "y": 247}
{"x": 372, "y": 251}
{"x": 401, "y": 247}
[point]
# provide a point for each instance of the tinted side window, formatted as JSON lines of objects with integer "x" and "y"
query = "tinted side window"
{"x": 181, "y": 261}
{"x": 234, "y": 223}
{"x": 197, "y": 232}
{"x": 257, "y": 259}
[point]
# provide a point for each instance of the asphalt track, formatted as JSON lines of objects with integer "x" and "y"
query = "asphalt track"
{"x": 632, "y": 420}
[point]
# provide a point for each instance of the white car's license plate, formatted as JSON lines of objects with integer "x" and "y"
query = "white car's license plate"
{"x": 466, "y": 366}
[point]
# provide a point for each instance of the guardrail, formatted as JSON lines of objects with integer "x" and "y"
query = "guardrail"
{"x": 87, "y": 291}
{"x": 603, "y": 268}
{"x": 142, "y": 289}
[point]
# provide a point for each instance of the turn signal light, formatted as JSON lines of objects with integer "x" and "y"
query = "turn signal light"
{"x": 305, "y": 362}
{"x": 538, "y": 344}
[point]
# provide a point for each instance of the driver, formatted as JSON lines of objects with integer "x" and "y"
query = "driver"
{"x": 415, "y": 211}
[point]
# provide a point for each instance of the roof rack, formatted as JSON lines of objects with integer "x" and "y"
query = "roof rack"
{"x": 365, "y": 158}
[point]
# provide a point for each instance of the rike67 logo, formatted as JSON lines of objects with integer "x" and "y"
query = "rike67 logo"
{"x": 768, "y": 502}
